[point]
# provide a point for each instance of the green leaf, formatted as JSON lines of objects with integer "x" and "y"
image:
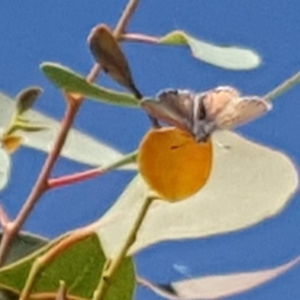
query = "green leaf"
{"x": 66, "y": 79}
{"x": 249, "y": 183}
{"x": 79, "y": 266}
{"x": 228, "y": 57}
{"x": 79, "y": 146}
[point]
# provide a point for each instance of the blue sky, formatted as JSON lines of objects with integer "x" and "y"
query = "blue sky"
{"x": 35, "y": 31}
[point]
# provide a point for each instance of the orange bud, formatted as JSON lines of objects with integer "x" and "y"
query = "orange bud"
{"x": 11, "y": 143}
{"x": 173, "y": 164}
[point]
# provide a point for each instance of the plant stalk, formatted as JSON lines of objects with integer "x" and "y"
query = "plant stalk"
{"x": 111, "y": 268}
{"x": 41, "y": 186}
{"x": 92, "y": 173}
{"x": 283, "y": 87}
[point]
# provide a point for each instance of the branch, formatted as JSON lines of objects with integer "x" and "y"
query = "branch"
{"x": 41, "y": 186}
{"x": 112, "y": 265}
{"x": 89, "y": 174}
{"x": 283, "y": 87}
{"x": 4, "y": 219}
{"x": 119, "y": 30}
{"x": 125, "y": 17}
{"x": 139, "y": 37}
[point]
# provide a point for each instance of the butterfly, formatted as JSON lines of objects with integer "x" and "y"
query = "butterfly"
{"x": 203, "y": 113}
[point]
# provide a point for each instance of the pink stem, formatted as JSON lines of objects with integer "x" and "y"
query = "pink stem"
{"x": 139, "y": 37}
{"x": 41, "y": 184}
{"x": 4, "y": 219}
{"x": 73, "y": 178}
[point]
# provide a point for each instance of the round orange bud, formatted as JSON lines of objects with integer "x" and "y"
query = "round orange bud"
{"x": 173, "y": 164}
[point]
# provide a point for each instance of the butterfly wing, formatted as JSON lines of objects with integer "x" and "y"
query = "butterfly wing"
{"x": 201, "y": 114}
{"x": 174, "y": 107}
{"x": 242, "y": 110}
{"x": 180, "y": 101}
{"x": 208, "y": 107}
{"x": 216, "y": 101}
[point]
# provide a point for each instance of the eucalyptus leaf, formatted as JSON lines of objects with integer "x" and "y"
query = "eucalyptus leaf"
{"x": 5, "y": 167}
{"x": 218, "y": 286}
{"x": 248, "y": 184}
{"x": 228, "y": 57}
{"x": 69, "y": 81}
{"x": 79, "y": 146}
{"x": 79, "y": 266}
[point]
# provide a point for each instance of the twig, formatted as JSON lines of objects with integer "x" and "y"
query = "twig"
{"x": 283, "y": 87}
{"x": 139, "y": 37}
{"x": 62, "y": 291}
{"x": 95, "y": 71}
{"x": 40, "y": 187}
{"x": 125, "y": 17}
{"x": 89, "y": 174}
{"x": 119, "y": 30}
{"x": 4, "y": 219}
{"x": 113, "y": 265}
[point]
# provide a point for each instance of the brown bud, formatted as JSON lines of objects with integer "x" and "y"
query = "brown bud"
{"x": 108, "y": 53}
{"x": 26, "y": 99}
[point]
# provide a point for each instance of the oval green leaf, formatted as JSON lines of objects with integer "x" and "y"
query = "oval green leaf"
{"x": 227, "y": 57}
{"x": 79, "y": 266}
{"x": 69, "y": 81}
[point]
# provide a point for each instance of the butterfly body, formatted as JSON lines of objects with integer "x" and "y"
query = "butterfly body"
{"x": 201, "y": 114}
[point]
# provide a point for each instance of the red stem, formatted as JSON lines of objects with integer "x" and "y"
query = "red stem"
{"x": 41, "y": 184}
{"x": 11, "y": 228}
{"x": 4, "y": 219}
{"x": 139, "y": 37}
{"x": 73, "y": 178}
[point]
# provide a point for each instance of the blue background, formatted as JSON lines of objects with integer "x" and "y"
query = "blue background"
{"x": 35, "y": 31}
